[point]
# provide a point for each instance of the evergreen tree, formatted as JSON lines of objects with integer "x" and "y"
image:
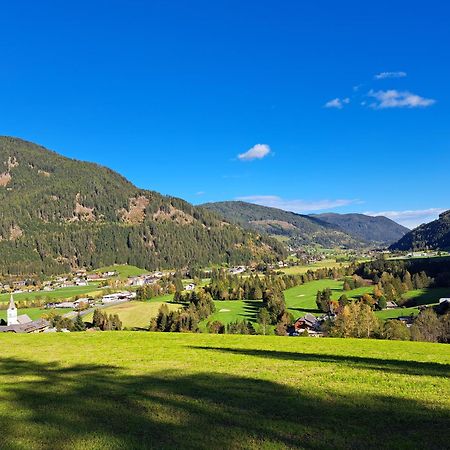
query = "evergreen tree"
{"x": 79, "y": 325}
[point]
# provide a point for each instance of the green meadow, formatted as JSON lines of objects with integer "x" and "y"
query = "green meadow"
{"x": 36, "y": 313}
{"x": 326, "y": 263}
{"x": 125, "y": 390}
{"x": 299, "y": 301}
{"x": 123, "y": 270}
{"x": 137, "y": 314}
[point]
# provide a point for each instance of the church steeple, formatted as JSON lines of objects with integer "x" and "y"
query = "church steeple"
{"x": 12, "y": 312}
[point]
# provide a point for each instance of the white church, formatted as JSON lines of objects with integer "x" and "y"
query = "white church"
{"x": 21, "y": 323}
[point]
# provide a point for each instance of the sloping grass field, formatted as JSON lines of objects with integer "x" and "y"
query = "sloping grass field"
{"x": 326, "y": 263}
{"x": 129, "y": 390}
{"x": 123, "y": 270}
{"x": 135, "y": 313}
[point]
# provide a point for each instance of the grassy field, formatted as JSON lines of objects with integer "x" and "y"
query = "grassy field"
{"x": 427, "y": 296}
{"x": 299, "y": 300}
{"x": 394, "y": 313}
{"x": 231, "y": 310}
{"x": 63, "y": 293}
{"x": 123, "y": 270}
{"x": 125, "y": 390}
{"x": 136, "y": 313}
{"x": 302, "y": 299}
{"x": 35, "y": 313}
{"x": 298, "y": 270}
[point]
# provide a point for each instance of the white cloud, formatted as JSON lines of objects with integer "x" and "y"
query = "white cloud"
{"x": 398, "y": 99}
{"x": 337, "y": 103}
{"x": 296, "y": 205}
{"x": 258, "y": 151}
{"x": 384, "y": 75}
{"x": 410, "y": 218}
{"x": 200, "y": 193}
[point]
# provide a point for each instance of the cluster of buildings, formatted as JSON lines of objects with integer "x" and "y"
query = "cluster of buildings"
{"x": 143, "y": 280}
{"x": 22, "y": 323}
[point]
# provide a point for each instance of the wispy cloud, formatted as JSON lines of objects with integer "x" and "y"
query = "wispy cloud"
{"x": 384, "y": 75}
{"x": 199, "y": 193}
{"x": 410, "y": 218}
{"x": 258, "y": 151}
{"x": 398, "y": 99}
{"x": 296, "y": 205}
{"x": 337, "y": 103}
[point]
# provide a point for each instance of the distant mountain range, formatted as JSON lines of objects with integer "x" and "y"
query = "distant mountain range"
{"x": 58, "y": 213}
{"x": 434, "y": 235}
{"x": 327, "y": 230}
{"x": 378, "y": 229}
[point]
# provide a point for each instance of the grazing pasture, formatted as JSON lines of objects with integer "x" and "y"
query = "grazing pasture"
{"x": 125, "y": 390}
{"x": 135, "y": 313}
{"x": 123, "y": 270}
{"x": 426, "y": 296}
{"x": 299, "y": 270}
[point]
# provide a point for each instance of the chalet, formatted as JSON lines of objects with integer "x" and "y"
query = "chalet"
{"x": 407, "y": 320}
{"x": 391, "y": 305}
{"x": 136, "y": 281}
{"x": 190, "y": 287}
{"x": 93, "y": 277}
{"x": 307, "y": 323}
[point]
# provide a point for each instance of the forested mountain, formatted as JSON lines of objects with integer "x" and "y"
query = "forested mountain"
{"x": 58, "y": 214}
{"x": 378, "y": 229}
{"x": 299, "y": 229}
{"x": 434, "y": 235}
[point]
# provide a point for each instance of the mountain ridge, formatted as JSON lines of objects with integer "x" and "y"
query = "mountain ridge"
{"x": 59, "y": 213}
{"x": 376, "y": 229}
{"x": 300, "y": 229}
{"x": 434, "y": 235}
{"x": 328, "y": 229}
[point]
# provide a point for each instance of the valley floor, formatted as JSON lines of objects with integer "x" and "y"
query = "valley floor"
{"x": 124, "y": 390}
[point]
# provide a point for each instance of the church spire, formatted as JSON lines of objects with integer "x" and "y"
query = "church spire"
{"x": 12, "y": 312}
{"x": 11, "y": 305}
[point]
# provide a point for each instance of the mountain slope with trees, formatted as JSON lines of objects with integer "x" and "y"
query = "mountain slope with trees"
{"x": 377, "y": 229}
{"x": 59, "y": 214}
{"x": 434, "y": 235}
{"x": 299, "y": 229}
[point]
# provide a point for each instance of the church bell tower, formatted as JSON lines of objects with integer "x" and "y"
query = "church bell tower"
{"x": 12, "y": 312}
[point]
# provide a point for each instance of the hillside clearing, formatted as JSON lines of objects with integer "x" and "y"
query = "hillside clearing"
{"x": 150, "y": 390}
{"x": 123, "y": 270}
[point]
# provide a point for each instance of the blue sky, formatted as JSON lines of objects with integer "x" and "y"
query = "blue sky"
{"x": 343, "y": 106}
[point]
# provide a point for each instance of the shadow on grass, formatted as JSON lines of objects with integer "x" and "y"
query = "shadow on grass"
{"x": 307, "y": 310}
{"x": 95, "y": 406}
{"x": 251, "y": 308}
{"x": 427, "y": 297}
{"x": 385, "y": 365}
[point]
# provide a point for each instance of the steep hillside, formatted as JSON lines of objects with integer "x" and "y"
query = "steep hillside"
{"x": 59, "y": 213}
{"x": 298, "y": 228}
{"x": 434, "y": 235}
{"x": 370, "y": 229}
